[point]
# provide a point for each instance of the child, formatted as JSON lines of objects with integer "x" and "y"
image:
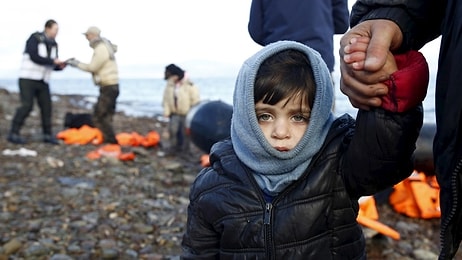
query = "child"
{"x": 286, "y": 184}
{"x": 180, "y": 95}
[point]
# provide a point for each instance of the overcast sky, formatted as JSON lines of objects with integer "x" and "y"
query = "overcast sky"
{"x": 146, "y": 32}
{"x": 205, "y": 37}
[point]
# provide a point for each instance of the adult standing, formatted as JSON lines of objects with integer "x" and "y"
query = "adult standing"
{"x": 180, "y": 95}
{"x": 311, "y": 22}
{"x": 40, "y": 58}
{"x": 380, "y": 26}
{"x": 104, "y": 70}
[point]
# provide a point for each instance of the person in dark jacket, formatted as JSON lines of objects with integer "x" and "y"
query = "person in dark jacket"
{"x": 40, "y": 58}
{"x": 312, "y": 22}
{"x": 381, "y": 26}
{"x": 286, "y": 184}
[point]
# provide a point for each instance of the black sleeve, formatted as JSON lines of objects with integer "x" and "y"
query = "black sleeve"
{"x": 57, "y": 67}
{"x": 419, "y": 21}
{"x": 380, "y": 152}
{"x": 32, "y": 49}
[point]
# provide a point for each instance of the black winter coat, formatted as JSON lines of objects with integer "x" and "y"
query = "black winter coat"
{"x": 422, "y": 21}
{"x": 313, "y": 218}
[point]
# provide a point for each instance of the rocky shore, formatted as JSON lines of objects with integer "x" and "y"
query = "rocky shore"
{"x": 57, "y": 204}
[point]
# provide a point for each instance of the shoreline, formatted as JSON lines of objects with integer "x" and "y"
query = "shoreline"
{"x": 61, "y": 104}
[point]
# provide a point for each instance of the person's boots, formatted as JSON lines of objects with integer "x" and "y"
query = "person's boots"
{"x": 13, "y": 135}
{"x": 47, "y": 138}
{"x": 15, "y": 138}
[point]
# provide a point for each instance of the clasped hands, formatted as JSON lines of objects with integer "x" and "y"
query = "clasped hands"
{"x": 72, "y": 62}
{"x": 366, "y": 61}
{"x": 62, "y": 64}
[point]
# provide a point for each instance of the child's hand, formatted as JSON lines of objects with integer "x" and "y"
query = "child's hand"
{"x": 355, "y": 54}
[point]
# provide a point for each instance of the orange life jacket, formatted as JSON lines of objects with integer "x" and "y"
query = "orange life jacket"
{"x": 368, "y": 217}
{"x": 417, "y": 196}
{"x": 83, "y": 135}
{"x": 110, "y": 150}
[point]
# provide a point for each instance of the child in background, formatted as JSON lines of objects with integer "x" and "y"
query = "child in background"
{"x": 286, "y": 184}
{"x": 180, "y": 95}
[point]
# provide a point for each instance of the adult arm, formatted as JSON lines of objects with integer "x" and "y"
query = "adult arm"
{"x": 59, "y": 65}
{"x": 340, "y": 14}
{"x": 419, "y": 21}
{"x": 256, "y": 21}
{"x": 32, "y": 48}
{"x": 390, "y": 25}
{"x": 100, "y": 56}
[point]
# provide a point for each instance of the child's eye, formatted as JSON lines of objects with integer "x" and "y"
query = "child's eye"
{"x": 263, "y": 117}
{"x": 301, "y": 118}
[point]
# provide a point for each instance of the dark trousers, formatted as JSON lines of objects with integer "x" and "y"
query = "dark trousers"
{"x": 104, "y": 111}
{"x": 179, "y": 139}
{"x": 28, "y": 90}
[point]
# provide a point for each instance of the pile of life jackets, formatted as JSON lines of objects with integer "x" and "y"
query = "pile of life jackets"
{"x": 417, "y": 197}
{"x": 90, "y": 135}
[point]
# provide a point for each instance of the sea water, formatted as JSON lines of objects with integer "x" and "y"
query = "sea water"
{"x": 143, "y": 96}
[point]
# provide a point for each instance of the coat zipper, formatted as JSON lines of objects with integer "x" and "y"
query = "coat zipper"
{"x": 445, "y": 223}
{"x": 269, "y": 206}
{"x": 268, "y": 233}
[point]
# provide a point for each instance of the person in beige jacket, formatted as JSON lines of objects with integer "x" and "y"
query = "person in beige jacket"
{"x": 180, "y": 95}
{"x": 103, "y": 68}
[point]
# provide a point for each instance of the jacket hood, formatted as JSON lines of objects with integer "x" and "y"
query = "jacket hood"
{"x": 250, "y": 144}
{"x": 112, "y": 48}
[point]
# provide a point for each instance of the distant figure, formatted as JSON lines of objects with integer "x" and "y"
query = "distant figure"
{"x": 180, "y": 95}
{"x": 311, "y": 22}
{"x": 40, "y": 58}
{"x": 103, "y": 68}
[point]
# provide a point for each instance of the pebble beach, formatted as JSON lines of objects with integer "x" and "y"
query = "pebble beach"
{"x": 55, "y": 203}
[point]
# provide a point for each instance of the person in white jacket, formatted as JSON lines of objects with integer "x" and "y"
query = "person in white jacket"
{"x": 40, "y": 58}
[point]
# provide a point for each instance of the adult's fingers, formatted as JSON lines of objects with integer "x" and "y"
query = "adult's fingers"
{"x": 385, "y": 36}
{"x": 361, "y": 95}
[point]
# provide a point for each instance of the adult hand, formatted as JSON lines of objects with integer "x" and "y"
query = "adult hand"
{"x": 365, "y": 61}
{"x": 73, "y": 62}
{"x": 62, "y": 65}
{"x": 58, "y": 62}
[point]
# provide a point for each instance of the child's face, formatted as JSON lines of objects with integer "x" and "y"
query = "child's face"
{"x": 283, "y": 124}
